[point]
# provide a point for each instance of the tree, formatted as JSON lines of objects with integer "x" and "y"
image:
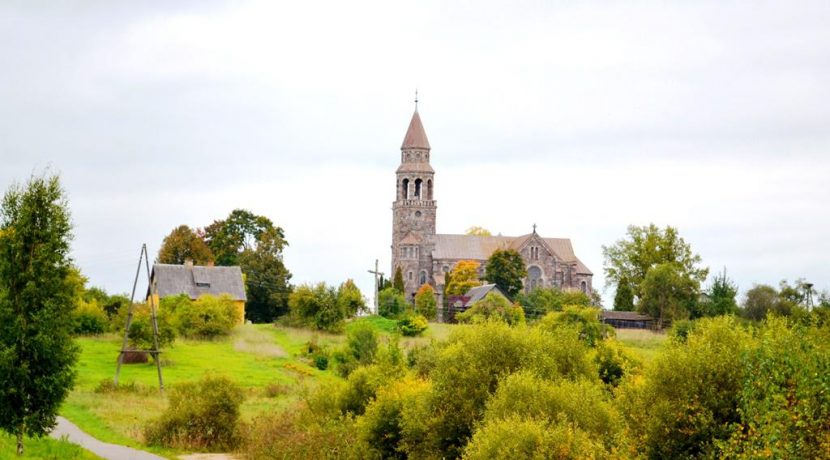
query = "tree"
{"x": 646, "y": 247}
{"x": 463, "y": 277}
{"x": 478, "y": 231}
{"x": 317, "y": 306}
{"x": 719, "y": 298}
{"x": 763, "y": 299}
{"x": 507, "y": 269}
{"x": 182, "y": 244}
{"x": 425, "y": 302}
{"x": 397, "y": 283}
{"x": 349, "y": 299}
{"x": 667, "y": 294}
{"x": 37, "y": 354}
{"x": 391, "y": 303}
{"x": 493, "y": 307}
{"x": 624, "y": 297}
{"x": 255, "y": 244}
{"x": 546, "y": 299}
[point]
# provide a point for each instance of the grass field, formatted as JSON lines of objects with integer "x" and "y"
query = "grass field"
{"x": 642, "y": 343}
{"x": 266, "y": 360}
{"x": 43, "y": 449}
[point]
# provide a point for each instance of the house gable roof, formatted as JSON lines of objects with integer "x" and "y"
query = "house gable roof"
{"x": 480, "y": 292}
{"x": 197, "y": 280}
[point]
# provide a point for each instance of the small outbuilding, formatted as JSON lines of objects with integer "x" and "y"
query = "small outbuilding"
{"x": 195, "y": 281}
{"x": 627, "y": 320}
{"x": 460, "y": 303}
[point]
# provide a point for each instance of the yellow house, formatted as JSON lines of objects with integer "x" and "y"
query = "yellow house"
{"x": 196, "y": 280}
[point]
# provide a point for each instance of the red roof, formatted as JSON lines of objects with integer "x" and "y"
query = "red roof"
{"x": 416, "y": 137}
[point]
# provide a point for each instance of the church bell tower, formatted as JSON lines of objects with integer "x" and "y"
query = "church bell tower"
{"x": 413, "y": 212}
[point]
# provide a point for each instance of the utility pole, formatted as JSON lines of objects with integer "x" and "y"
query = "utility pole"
{"x": 377, "y": 274}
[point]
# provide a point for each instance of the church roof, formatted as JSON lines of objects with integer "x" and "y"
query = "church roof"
{"x": 416, "y": 137}
{"x": 460, "y": 247}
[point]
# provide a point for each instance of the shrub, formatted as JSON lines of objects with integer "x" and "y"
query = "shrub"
{"x": 201, "y": 415}
{"x": 412, "y": 326}
{"x": 493, "y": 307}
{"x": 391, "y": 303}
{"x": 516, "y": 437}
{"x": 362, "y": 343}
{"x": 317, "y": 306}
{"x": 613, "y": 363}
{"x": 395, "y": 422}
{"x": 584, "y": 319}
{"x": 272, "y": 390}
{"x": 89, "y": 319}
{"x": 208, "y": 317}
{"x": 299, "y": 434}
{"x": 469, "y": 365}
{"x": 321, "y": 361}
{"x": 687, "y": 401}
{"x": 141, "y": 329}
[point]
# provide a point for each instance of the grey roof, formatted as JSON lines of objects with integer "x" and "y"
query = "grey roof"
{"x": 624, "y": 315}
{"x": 197, "y": 280}
{"x": 479, "y": 292}
{"x": 461, "y": 247}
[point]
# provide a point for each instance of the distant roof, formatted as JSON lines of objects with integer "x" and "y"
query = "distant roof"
{"x": 475, "y": 247}
{"x": 479, "y": 292}
{"x": 197, "y": 280}
{"x": 416, "y": 137}
{"x": 624, "y": 315}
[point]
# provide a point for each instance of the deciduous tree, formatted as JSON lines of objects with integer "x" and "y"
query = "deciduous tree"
{"x": 506, "y": 268}
{"x": 478, "y": 231}
{"x": 667, "y": 294}
{"x": 643, "y": 249}
{"x": 182, "y": 244}
{"x": 37, "y": 353}
{"x": 463, "y": 277}
{"x": 425, "y": 302}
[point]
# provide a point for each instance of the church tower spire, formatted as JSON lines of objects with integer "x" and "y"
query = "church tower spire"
{"x": 413, "y": 219}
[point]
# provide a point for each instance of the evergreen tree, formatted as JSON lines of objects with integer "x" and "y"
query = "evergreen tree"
{"x": 397, "y": 283}
{"x": 37, "y": 353}
{"x": 624, "y": 298}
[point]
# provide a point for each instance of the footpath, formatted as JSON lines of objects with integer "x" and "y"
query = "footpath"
{"x": 73, "y": 434}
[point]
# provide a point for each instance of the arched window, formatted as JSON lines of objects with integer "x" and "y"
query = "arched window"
{"x": 584, "y": 287}
{"x": 405, "y": 189}
{"x": 423, "y": 277}
{"x": 418, "y": 188}
{"x": 429, "y": 189}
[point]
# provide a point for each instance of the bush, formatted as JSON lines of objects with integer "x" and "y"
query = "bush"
{"x": 362, "y": 343}
{"x": 395, "y": 424}
{"x": 493, "y": 307}
{"x": 391, "y": 303}
{"x": 687, "y": 402}
{"x": 201, "y": 415}
{"x": 208, "y": 317}
{"x": 412, "y": 326}
{"x": 613, "y": 363}
{"x": 584, "y": 319}
{"x": 317, "y": 306}
{"x": 516, "y": 437}
{"x": 141, "y": 329}
{"x": 299, "y": 434}
{"x": 89, "y": 319}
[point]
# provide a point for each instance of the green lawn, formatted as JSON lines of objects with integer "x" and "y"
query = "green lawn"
{"x": 43, "y": 449}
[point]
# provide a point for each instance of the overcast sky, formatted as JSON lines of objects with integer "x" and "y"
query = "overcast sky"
{"x": 581, "y": 117}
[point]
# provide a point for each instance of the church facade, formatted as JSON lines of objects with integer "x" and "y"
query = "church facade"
{"x": 425, "y": 256}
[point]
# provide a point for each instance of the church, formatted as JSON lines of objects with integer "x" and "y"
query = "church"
{"x": 425, "y": 256}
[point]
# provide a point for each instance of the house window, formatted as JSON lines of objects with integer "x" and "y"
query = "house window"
{"x": 423, "y": 277}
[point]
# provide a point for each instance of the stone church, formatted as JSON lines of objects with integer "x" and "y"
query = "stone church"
{"x": 425, "y": 256}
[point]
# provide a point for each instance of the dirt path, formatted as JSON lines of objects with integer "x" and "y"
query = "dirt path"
{"x": 101, "y": 449}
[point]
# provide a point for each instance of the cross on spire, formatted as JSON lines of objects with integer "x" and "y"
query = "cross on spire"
{"x": 534, "y": 228}
{"x": 416, "y": 98}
